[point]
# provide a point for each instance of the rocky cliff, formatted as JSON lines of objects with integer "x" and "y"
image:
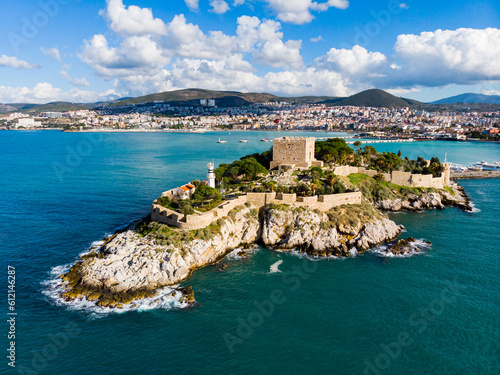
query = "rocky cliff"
{"x": 455, "y": 196}
{"x": 148, "y": 256}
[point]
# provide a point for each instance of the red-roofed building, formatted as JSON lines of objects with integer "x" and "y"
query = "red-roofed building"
{"x": 184, "y": 192}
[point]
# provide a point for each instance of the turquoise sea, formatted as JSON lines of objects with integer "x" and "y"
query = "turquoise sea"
{"x": 434, "y": 313}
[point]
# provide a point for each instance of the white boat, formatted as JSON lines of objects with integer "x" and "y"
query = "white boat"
{"x": 243, "y": 141}
{"x": 488, "y": 166}
{"x": 219, "y": 141}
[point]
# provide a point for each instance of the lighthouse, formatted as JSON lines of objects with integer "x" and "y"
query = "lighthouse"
{"x": 211, "y": 175}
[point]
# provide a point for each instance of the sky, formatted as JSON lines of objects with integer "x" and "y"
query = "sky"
{"x": 90, "y": 51}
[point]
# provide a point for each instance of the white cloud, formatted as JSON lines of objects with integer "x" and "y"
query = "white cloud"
{"x": 52, "y": 52}
{"x": 219, "y": 6}
{"x": 401, "y": 91}
{"x": 132, "y": 20}
{"x": 449, "y": 56}
{"x": 354, "y": 62}
{"x": 136, "y": 55}
{"x": 193, "y": 5}
{"x": 299, "y": 11}
{"x": 44, "y": 92}
{"x": 187, "y": 40}
{"x": 490, "y": 92}
{"x": 317, "y": 39}
{"x": 14, "y": 62}
{"x": 237, "y": 3}
{"x": 264, "y": 39}
{"x": 79, "y": 82}
{"x": 404, "y": 6}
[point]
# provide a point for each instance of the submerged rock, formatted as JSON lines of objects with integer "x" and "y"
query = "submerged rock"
{"x": 405, "y": 246}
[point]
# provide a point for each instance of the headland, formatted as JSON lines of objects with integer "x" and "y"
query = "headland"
{"x": 320, "y": 198}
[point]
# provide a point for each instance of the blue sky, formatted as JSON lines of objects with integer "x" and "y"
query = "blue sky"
{"x": 84, "y": 51}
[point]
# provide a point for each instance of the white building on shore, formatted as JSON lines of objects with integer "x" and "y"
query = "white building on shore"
{"x": 28, "y": 123}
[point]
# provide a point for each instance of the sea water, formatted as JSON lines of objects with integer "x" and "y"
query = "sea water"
{"x": 272, "y": 312}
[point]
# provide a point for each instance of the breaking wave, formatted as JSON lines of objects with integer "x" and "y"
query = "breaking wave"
{"x": 418, "y": 247}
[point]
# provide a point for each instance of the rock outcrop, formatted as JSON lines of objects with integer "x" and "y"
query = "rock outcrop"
{"x": 428, "y": 201}
{"x": 130, "y": 266}
{"x": 313, "y": 232}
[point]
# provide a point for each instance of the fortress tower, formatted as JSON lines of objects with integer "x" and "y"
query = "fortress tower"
{"x": 294, "y": 152}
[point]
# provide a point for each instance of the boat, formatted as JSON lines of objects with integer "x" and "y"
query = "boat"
{"x": 243, "y": 141}
{"x": 219, "y": 141}
{"x": 266, "y": 140}
{"x": 485, "y": 166}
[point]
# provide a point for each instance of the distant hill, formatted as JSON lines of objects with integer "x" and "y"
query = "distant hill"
{"x": 372, "y": 98}
{"x": 470, "y": 98}
{"x": 191, "y": 97}
{"x": 34, "y": 109}
{"x": 197, "y": 94}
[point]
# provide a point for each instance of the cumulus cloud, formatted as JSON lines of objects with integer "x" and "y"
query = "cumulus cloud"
{"x": 317, "y": 39}
{"x": 14, "y": 62}
{"x": 265, "y": 41}
{"x": 219, "y": 6}
{"x": 44, "y": 92}
{"x": 52, "y": 52}
{"x": 299, "y": 11}
{"x": 449, "y": 56}
{"x": 132, "y": 20}
{"x": 193, "y": 5}
{"x": 355, "y": 62}
{"x": 136, "y": 55}
{"x": 237, "y": 3}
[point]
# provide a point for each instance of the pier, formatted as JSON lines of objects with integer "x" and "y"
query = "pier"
{"x": 469, "y": 175}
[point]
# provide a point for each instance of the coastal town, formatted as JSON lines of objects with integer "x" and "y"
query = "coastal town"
{"x": 205, "y": 116}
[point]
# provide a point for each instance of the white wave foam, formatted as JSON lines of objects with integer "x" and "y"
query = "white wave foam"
{"x": 474, "y": 209}
{"x": 274, "y": 266}
{"x": 54, "y": 287}
{"x": 249, "y": 251}
{"x": 418, "y": 246}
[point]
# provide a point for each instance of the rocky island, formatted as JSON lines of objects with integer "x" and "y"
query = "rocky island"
{"x": 301, "y": 205}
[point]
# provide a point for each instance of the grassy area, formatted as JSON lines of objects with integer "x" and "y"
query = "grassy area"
{"x": 166, "y": 235}
{"x": 351, "y": 216}
{"x": 449, "y": 190}
{"x": 208, "y": 206}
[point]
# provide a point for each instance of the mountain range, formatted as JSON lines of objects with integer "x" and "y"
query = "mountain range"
{"x": 470, "y": 98}
{"x": 191, "y": 97}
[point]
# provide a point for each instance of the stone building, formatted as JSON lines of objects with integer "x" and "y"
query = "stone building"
{"x": 294, "y": 152}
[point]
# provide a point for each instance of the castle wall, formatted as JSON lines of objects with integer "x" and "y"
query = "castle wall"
{"x": 402, "y": 178}
{"x": 198, "y": 221}
{"x": 260, "y": 199}
{"x": 286, "y": 198}
{"x": 345, "y": 170}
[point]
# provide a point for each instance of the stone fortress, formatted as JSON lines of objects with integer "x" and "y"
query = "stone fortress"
{"x": 291, "y": 153}
{"x": 298, "y": 152}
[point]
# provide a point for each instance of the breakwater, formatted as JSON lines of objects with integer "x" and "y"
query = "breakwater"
{"x": 469, "y": 175}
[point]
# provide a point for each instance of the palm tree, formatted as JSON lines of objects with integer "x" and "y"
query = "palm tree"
{"x": 328, "y": 158}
